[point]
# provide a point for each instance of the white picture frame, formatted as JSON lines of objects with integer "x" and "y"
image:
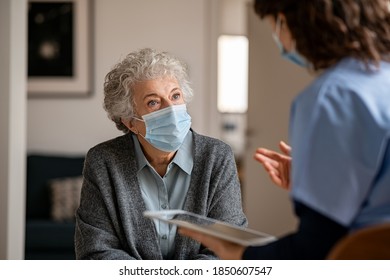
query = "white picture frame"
{"x": 78, "y": 83}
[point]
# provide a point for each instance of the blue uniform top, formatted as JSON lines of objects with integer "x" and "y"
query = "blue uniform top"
{"x": 340, "y": 138}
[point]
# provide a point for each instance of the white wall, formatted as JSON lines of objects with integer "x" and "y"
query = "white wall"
{"x": 273, "y": 84}
{"x": 233, "y": 18}
{"x": 12, "y": 127}
{"x": 72, "y": 126}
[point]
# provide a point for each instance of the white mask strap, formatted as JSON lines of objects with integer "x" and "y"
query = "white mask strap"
{"x": 278, "y": 26}
{"x": 138, "y": 119}
{"x": 136, "y": 130}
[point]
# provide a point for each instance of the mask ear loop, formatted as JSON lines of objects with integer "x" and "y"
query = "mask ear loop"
{"x": 277, "y": 31}
{"x": 278, "y": 27}
{"x": 138, "y": 119}
{"x": 136, "y": 132}
{"x": 276, "y": 34}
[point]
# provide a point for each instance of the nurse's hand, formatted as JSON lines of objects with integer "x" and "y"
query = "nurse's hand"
{"x": 225, "y": 250}
{"x": 277, "y": 165}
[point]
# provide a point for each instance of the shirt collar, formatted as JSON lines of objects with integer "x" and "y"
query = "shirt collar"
{"x": 183, "y": 158}
{"x": 139, "y": 155}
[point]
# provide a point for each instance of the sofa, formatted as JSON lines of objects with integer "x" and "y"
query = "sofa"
{"x": 52, "y": 195}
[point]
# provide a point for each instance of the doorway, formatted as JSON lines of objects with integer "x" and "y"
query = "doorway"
{"x": 273, "y": 83}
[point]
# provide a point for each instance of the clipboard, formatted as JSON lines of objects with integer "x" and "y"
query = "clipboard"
{"x": 216, "y": 228}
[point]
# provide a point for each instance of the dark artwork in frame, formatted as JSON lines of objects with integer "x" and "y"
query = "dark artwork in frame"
{"x": 51, "y": 39}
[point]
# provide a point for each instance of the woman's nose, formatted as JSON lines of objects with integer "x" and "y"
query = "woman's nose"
{"x": 166, "y": 103}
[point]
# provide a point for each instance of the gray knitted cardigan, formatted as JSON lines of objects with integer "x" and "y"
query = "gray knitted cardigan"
{"x": 109, "y": 221}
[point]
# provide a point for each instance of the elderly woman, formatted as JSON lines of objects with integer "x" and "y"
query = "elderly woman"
{"x": 160, "y": 163}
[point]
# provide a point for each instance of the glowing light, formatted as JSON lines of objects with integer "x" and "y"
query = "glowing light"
{"x": 232, "y": 74}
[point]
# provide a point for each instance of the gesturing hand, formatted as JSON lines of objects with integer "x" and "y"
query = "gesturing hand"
{"x": 276, "y": 164}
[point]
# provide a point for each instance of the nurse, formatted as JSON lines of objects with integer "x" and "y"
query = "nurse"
{"x": 339, "y": 125}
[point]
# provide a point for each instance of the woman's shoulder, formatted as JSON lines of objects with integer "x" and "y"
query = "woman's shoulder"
{"x": 350, "y": 80}
{"x": 111, "y": 146}
{"x": 204, "y": 140}
{"x": 209, "y": 145}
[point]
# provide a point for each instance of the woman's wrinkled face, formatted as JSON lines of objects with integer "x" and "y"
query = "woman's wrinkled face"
{"x": 153, "y": 95}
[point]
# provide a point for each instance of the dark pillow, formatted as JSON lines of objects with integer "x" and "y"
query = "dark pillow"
{"x": 40, "y": 170}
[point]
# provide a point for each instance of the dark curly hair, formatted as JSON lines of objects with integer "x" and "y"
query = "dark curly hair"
{"x": 326, "y": 31}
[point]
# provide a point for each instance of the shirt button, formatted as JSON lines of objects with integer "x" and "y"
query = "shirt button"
{"x": 164, "y": 206}
{"x": 164, "y": 237}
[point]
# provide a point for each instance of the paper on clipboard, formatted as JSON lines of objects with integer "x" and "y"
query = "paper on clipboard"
{"x": 239, "y": 235}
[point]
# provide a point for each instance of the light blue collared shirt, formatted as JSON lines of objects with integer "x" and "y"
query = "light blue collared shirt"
{"x": 168, "y": 192}
{"x": 340, "y": 137}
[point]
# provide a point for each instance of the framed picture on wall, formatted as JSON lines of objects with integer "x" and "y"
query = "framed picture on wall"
{"x": 58, "y": 48}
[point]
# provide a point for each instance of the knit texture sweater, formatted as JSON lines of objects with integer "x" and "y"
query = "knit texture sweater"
{"x": 110, "y": 222}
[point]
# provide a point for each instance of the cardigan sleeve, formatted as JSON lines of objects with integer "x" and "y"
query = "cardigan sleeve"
{"x": 95, "y": 236}
{"x": 225, "y": 196}
{"x": 218, "y": 186}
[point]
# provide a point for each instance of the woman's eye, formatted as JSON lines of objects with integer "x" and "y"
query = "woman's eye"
{"x": 176, "y": 96}
{"x": 152, "y": 103}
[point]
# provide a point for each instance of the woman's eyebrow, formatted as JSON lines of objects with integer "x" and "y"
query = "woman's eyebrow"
{"x": 150, "y": 95}
{"x": 176, "y": 88}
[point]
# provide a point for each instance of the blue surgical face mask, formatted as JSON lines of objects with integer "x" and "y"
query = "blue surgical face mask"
{"x": 292, "y": 55}
{"x": 167, "y": 128}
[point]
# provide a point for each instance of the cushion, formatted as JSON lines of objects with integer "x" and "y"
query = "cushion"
{"x": 41, "y": 169}
{"x": 65, "y": 197}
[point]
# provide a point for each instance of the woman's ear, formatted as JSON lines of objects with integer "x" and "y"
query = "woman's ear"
{"x": 283, "y": 21}
{"x": 285, "y": 33}
{"x": 129, "y": 124}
